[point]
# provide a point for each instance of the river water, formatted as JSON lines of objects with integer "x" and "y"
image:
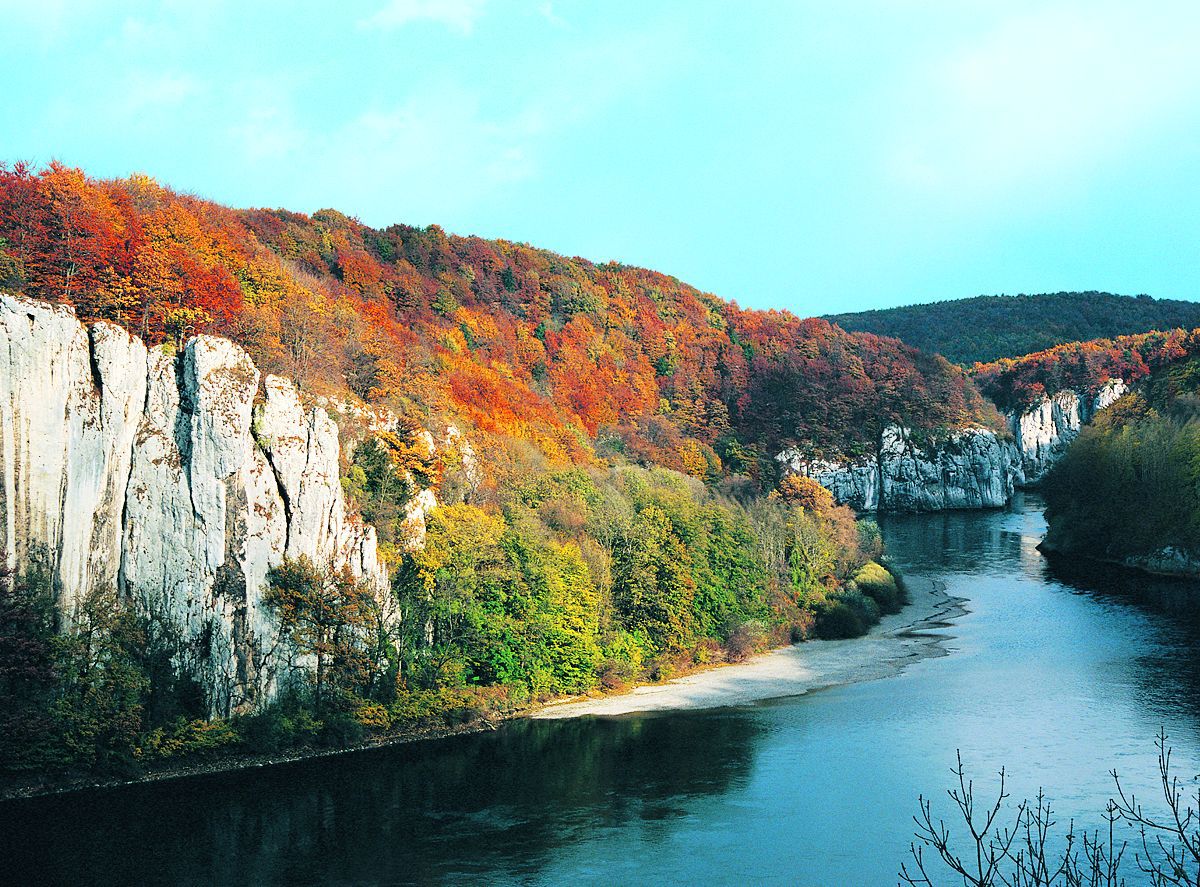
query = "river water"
{"x": 1058, "y": 677}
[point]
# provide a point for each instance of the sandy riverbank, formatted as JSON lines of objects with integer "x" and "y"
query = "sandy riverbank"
{"x": 896, "y": 642}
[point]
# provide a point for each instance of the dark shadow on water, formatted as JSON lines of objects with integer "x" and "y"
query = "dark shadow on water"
{"x": 957, "y": 541}
{"x": 1180, "y": 597}
{"x": 481, "y": 805}
{"x": 1166, "y": 680}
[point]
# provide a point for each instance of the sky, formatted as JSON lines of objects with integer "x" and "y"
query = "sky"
{"x": 814, "y": 156}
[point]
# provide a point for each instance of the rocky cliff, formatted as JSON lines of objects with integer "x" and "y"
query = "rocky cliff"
{"x": 180, "y": 478}
{"x": 1044, "y": 431}
{"x": 967, "y": 468}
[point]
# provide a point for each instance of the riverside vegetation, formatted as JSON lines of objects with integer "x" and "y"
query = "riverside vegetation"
{"x": 628, "y": 520}
{"x": 568, "y": 581}
{"x": 1128, "y": 489}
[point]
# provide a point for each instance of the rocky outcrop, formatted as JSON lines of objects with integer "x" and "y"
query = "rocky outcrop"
{"x": 1044, "y": 431}
{"x": 968, "y": 468}
{"x": 170, "y": 476}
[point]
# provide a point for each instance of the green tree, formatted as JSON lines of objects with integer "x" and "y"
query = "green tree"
{"x": 28, "y": 665}
{"x": 102, "y": 684}
{"x": 330, "y": 615}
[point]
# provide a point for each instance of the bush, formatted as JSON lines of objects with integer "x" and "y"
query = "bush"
{"x": 373, "y": 717}
{"x": 837, "y": 620}
{"x": 342, "y": 729}
{"x": 746, "y": 640}
{"x": 188, "y": 737}
{"x": 878, "y": 584}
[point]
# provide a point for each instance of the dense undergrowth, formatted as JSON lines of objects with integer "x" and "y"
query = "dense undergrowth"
{"x": 1129, "y": 486}
{"x": 572, "y": 581}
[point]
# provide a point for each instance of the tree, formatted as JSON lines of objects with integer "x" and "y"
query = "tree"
{"x": 103, "y": 686}
{"x": 1019, "y": 846}
{"x": 28, "y": 664}
{"x": 330, "y": 615}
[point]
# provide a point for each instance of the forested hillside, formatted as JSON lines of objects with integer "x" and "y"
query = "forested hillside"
{"x": 580, "y": 359}
{"x": 1017, "y": 383}
{"x": 622, "y": 517}
{"x": 1128, "y": 489}
{"x": 987, "y": 328}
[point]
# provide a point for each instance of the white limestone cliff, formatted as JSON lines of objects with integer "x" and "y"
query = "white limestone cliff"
{"x": 168, "y": 476}
{"x": 967, "y": 468}
{"x": 1044, "y": 431}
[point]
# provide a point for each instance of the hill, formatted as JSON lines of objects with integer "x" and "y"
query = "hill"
{"x": 583, "y": 360}
{"x": 545, "y": 564}
{"x": 1128, "y": 489}
{"x": 987, "y": 328}
{"x": 1017, "y": 383}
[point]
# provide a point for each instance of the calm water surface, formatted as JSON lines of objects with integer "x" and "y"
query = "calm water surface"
{"x": 1060, "y": 677}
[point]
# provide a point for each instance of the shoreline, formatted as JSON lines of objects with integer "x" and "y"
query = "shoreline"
{"x": 1143, "y": 565}
{"x": 898, "y": 641}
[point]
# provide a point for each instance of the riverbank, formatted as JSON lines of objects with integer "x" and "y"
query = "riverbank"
{"x": 1168, "y": 563}
{"x": 895, "y": 643}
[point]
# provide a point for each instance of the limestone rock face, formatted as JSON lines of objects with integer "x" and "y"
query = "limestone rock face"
{"x": 157, "y": 472}
{"x": 969, "y": 468}
{"x": 1044, "y": 431}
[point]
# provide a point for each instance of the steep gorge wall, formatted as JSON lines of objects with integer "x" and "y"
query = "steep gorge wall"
{"x": 1044, "y": 431}
{"x": 968, "y": 468}
{"x": 171, "y": 478}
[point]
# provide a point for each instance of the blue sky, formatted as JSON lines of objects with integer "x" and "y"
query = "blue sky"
{"x": 814, "y": 156}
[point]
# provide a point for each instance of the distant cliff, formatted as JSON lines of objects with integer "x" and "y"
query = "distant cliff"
{"x": 179, "y": 477}
{"x": 970, "y": 467}
{"x": 966, "y": 468}
{"x": 1044, "y": 431}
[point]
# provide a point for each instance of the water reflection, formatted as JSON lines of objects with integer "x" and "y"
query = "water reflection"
{"x": 962, "y": 542}
{"x": 1059, "y": 671}
{"x": 493, "y": 803}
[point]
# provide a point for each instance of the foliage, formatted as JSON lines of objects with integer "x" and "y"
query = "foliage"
{"x": 988, "y": 328}
{"x": 1081, "y": 366}
{"x": 382, "y": 475}
{"x": 1129, "y": 485}
{"x": 336, "y": 619}
{"x": 627, "y": 422}
{"x": 28, "y": 665}
{"x": 513, "y": 340}
{"x": 878, "y": 584}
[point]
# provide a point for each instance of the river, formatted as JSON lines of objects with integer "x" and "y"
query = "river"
{"x": 1059, "y": 678}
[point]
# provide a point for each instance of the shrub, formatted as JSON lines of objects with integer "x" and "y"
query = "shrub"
{"x": 373, "y": 717}
{"x": 836, "y": 620}
{"x": 878, "y": 584}
{"x": 188, "y": 737}
{"x": 746, "y": 640}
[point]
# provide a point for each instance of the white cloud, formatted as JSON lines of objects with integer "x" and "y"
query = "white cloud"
{"x": 143, "y": 92}
{"x": 1041, "y": 99}
{"x": 443, "y": 148}
{"x": 432, "y": 154}
{"x": 458, "y": 15}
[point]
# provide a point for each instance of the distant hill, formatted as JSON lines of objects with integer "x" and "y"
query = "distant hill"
{"x": 987, "y": 328}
